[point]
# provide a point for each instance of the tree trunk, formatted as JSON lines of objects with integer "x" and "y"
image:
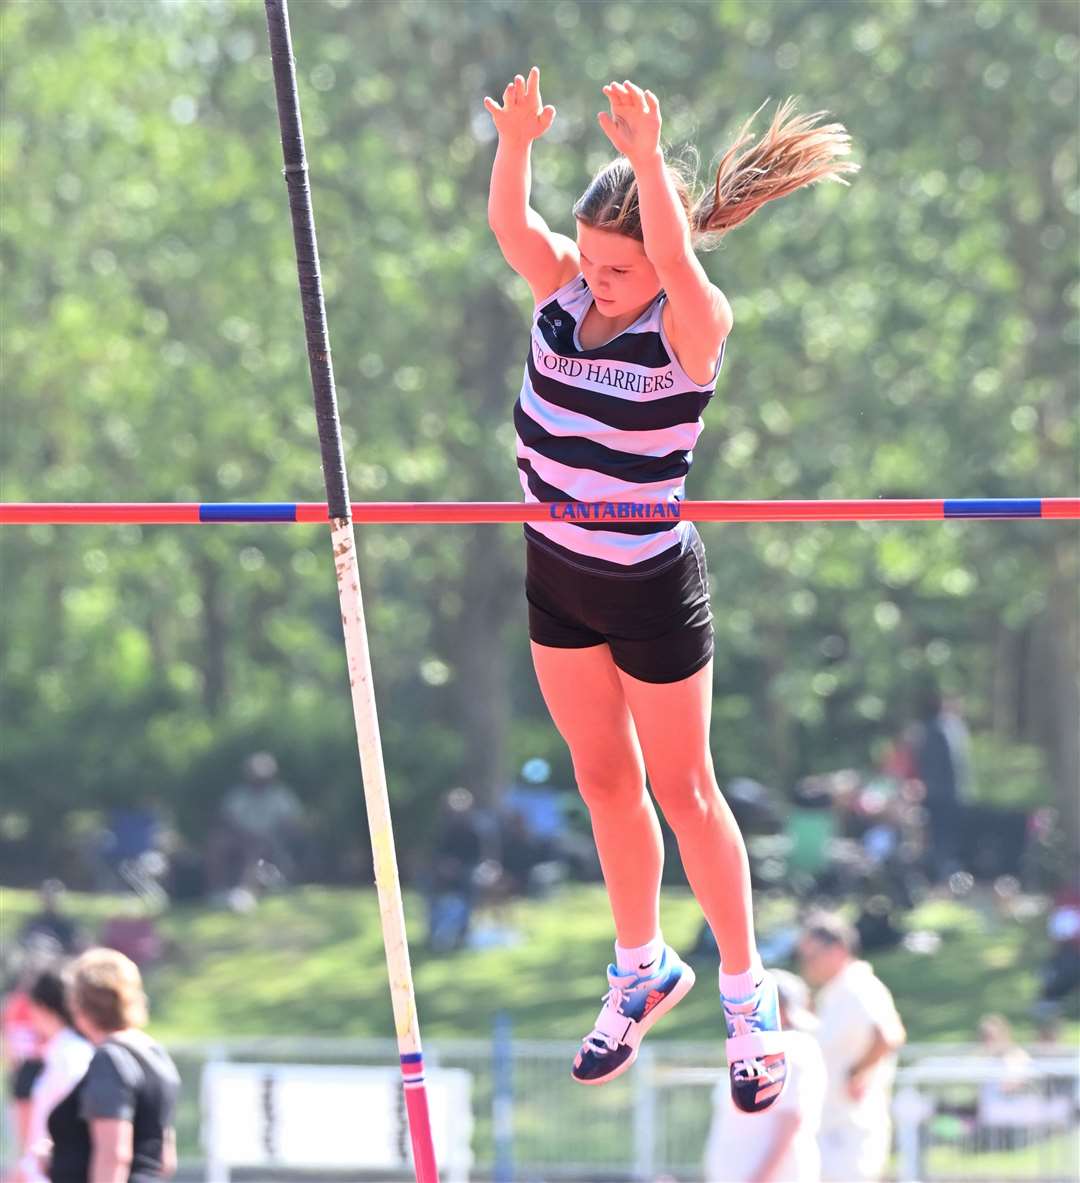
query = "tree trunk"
{"x": 214, "y": 635}
{"x": 781, "y": 767}
{"x": 1063, "y": 683}
{"x": 491, "y": 579}
{"x": 477, "y": 653}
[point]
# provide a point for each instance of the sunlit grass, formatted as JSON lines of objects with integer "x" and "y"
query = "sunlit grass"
{"x": 311, "y": 962}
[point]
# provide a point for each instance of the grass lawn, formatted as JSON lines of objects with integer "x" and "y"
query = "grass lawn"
{"x": 311, "y": 962}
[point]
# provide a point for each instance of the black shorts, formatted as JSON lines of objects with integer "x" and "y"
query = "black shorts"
{"x": 658, "y": 626}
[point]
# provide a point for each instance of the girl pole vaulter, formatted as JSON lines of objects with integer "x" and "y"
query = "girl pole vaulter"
{"x": 627, "y": 341}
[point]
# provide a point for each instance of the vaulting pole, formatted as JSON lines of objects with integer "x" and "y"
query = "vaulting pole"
{"x": 352, "y": 609}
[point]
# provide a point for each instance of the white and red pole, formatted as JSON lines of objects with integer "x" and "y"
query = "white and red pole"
{"x": 391, "y": 910}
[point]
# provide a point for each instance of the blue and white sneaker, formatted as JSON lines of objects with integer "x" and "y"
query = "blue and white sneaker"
{"x": 631, "y": 1006}
{"x": 757, "y": 1065}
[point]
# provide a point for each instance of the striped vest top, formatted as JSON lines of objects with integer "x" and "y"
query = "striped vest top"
{"x": 615, "y": 423}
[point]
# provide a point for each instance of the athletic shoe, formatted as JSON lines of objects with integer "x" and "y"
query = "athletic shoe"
{"x": 757, "y": 1065}
{"x": 631, "y": 1006}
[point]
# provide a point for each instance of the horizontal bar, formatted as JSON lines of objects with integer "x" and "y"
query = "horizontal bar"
{"x": 461, "y": 512}
{"x": 1012, "y": 508}
{"x": 266, "y": 512}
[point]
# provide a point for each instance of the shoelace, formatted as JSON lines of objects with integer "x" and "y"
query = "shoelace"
{"x": 598, "y": 1040}
{"x": 745, "y": 1019}
{"x": 611, "y": 1023}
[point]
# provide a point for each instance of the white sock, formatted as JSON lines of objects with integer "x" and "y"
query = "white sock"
{"x": 639, "y": 958}
{"x": 739, "y": 987}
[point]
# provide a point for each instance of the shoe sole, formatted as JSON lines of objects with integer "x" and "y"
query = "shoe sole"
{"x": 764, "y": 1108}
{"x": 686, "y": 983}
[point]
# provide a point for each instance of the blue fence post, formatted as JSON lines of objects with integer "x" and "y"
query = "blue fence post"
{"x": 502, "y": 1097}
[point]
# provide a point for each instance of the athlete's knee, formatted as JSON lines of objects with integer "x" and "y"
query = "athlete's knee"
{"x": 610, "y": 783}
{"x": 689, "y": 799}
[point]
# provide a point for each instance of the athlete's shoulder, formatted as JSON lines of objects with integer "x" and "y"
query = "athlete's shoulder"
{"x": 570, "y": 288}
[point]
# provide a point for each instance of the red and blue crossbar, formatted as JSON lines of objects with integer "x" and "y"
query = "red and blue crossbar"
{"x": 461, "y": 512}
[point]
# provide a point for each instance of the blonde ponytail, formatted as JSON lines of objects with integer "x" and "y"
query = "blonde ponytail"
{"x": 792, "y": 153}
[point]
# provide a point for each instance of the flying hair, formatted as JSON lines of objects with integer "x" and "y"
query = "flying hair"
{"x": 796, "y": 150}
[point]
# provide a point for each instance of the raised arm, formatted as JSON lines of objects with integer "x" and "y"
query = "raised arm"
{"x": 699, "y": 309}
{"x": 545, "y": 260}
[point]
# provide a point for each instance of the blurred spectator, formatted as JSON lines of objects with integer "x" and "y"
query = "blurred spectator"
{"x": 136, "y": 936}
{"x": 65, "y": 1057}
{"x": 878, "y": 924}
{"x": 131, "y": 849}
{"x": 118, "y": 1123}
{"x": 1048, "y": 1027}
{"x": 536, "y": 800}
{"x": 812, "y": 829}
{"x": 1061, "y": 973}
{"x": 260, "y": 831}
{"x": 1004, "y": 1112}
{"x": 21, "y": 1048}
{"x": 860, "y": 1032}
{"x": 450, "y": 881}
{"x": 996, "y": 1039}
{"x": 522, "y": 853}
{"x": 49, "y": 931}
{"x": 944, "y": 763}
{"x": 899, "y": 759}
{"x": 779, "y": 1145}
{"x": 548, "y": 811}
{"x": 954, "y": 724}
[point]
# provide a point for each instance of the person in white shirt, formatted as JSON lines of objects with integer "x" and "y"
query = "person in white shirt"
{"x": 860, "y": 1032}
{"x": 66, "y": 1057}
{"x": 779, "y": 1145}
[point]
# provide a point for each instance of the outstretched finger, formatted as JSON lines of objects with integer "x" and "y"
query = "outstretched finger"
{"x": 637, "y": 93}
{"x": 533, "y": 82}
{"x": 608, "y": 124}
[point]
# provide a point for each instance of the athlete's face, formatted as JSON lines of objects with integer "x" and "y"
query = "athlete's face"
{"x": 617, "y": 270}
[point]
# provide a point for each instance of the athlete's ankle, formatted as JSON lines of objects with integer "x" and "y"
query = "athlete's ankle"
{"x": 741, "y": 986}
{"x": 639, "y": 959}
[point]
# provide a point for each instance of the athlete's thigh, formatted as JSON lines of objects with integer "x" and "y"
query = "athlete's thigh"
{"x": 584, "y": 695}
{"x": 672, "y": 723}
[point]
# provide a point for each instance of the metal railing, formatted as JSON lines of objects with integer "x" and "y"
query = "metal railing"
{"x": 958, "y": 1115}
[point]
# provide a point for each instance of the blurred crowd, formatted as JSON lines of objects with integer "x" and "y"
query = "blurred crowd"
{"x": 874, "y": 845}
{"x": 91, "y": 1097}
{"x": 532, "y": 840}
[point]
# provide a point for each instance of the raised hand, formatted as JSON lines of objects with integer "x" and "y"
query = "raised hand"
{"x": 522, "y": 116}
{"x": 634, "y": 123}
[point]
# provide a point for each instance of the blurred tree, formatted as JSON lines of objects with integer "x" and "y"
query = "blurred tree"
{"x": 913, "y": 335}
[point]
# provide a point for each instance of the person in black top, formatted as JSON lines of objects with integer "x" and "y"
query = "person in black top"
{"x": 117, "y": 1124}
{"x": 49, "y": 930}
{"x": 943, "y": 763}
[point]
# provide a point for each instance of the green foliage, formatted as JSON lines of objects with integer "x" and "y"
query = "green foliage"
{"x": 1011, "y": 775}
{"x": 913, "y": 334}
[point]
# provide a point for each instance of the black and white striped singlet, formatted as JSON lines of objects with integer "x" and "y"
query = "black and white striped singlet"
{"x": 615, "y": 423}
